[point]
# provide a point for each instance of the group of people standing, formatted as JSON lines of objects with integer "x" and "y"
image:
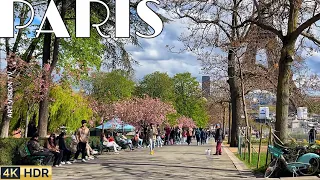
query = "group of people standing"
{"x": 202, "y": 136}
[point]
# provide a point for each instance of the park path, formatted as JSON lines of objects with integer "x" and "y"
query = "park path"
{"x": 168, "y": 162}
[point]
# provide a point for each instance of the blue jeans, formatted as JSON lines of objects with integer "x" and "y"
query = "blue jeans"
{"x": 151, "y": 143}
{"x": 140, "y": 141}
{"x": 159, "y": 141}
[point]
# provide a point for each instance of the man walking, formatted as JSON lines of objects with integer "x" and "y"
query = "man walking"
{"x": 198, "y": 136}
{"x": 83, "y": 138}
{"x": 312, "y": 135}
{"x": 219, "y": 139}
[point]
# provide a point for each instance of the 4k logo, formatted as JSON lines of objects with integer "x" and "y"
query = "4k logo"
{"x": 10, "y": 173}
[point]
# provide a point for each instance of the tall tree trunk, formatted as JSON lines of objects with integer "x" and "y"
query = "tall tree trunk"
{"x": 285, "y": 74}
{"x": 235, "y": 98}
{"x": 5, "y": 124}
{"x": 283, "y": 91}
{"x": 44, "y": 103}
{"x": 7, "y": 113}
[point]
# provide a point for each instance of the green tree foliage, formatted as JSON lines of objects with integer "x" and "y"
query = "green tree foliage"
{"x": 67, "y": 108}
{"x": 157, "y": 85}
{"x": 110, "y": 87}
{"x": 314, "y": 106}
{"x": 80, "y": 55}
{"x": 188, "y": 101}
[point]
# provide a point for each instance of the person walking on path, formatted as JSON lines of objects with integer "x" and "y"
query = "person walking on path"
{"x": 82, "y": 137}
{"x": 198, "y": 136}
{"x": 189, "y": 136}
{"x": 184, "y": 136}
{"x": 159, "y": 139}
{"x": 203, "y": 137}
{"x": 312, "y": 135}
{"x": 151, "y": 136}
{"x": 219, "y": 139}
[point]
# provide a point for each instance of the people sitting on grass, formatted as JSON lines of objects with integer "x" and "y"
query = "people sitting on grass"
{"x": 109, "y": 142}
{"x": 37, "y": 150}
{"x": 52, "y": 146}
{"x": 63, "y": 148}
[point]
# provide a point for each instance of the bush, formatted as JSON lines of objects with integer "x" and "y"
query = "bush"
{"x": 11, "y": 149}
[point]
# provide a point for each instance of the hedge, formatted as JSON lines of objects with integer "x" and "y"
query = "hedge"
{"x": 10, "y": 149}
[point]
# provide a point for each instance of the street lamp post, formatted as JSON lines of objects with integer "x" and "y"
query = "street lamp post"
{"x": 230, "y": 114}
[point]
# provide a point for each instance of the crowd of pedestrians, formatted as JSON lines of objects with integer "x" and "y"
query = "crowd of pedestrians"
{"x": 57, "y": 152}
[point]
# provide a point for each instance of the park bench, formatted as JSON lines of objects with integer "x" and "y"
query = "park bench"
{"x": 103, "y": 147}
{"x": 37, "y": 159}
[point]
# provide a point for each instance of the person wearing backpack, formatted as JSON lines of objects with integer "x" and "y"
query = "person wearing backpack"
{"x": 219, "y": 139}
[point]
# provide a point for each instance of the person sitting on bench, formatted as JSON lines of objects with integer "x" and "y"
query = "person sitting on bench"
{"x": 123, "y": 141}
{"x": 109, "y": 142}
{"x": 37, "y": 150}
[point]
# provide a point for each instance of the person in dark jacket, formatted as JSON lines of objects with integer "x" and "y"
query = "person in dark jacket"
{"x": 312, "y": 135}
{"x": 203, "y": 137}
{"x": 32, "y": 129}
{"x": 37, "y": 150}
{"x": 198, "y": 136}
{"x": 219, "y": 139}
{"x": 63, "y": 148}
{"x": 172, "y": 136}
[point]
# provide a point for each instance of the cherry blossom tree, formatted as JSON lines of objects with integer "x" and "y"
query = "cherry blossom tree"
{"x": 102, "y": 110}
{"x": 185, "y": 122}
{"x": 140, "y": 112}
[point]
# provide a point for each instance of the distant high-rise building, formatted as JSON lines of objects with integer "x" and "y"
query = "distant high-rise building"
{"x": 206, "y": 86}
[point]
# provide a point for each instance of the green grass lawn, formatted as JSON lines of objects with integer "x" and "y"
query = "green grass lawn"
{"x": 254, "y": 161}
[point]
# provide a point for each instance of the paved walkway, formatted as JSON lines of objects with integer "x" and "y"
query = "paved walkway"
{"x": 168, "y": 162}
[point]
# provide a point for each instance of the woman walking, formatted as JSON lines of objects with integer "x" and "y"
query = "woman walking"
{"x": 151, "y": 136}
{"x": 184, "y": 136}
{"x": 219, "y": 139}
{"x": 189, "y": 136}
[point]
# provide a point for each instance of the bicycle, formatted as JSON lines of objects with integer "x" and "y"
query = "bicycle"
{"x": 306, "y": 164}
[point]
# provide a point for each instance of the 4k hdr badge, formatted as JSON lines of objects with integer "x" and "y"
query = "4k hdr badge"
{"x": 26, "y": 172}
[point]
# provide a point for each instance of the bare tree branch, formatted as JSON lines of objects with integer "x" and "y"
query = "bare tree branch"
{"x": 263, "y": 26}
{"x": 311, "y": 38}
{"x": 304, "y": 26}
{"x": 216, "y": 22}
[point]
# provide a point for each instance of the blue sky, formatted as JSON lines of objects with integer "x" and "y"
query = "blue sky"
{"x": 155, "y": 56}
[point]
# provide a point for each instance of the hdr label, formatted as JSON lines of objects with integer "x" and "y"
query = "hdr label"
{"x": 26, "y": 173}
